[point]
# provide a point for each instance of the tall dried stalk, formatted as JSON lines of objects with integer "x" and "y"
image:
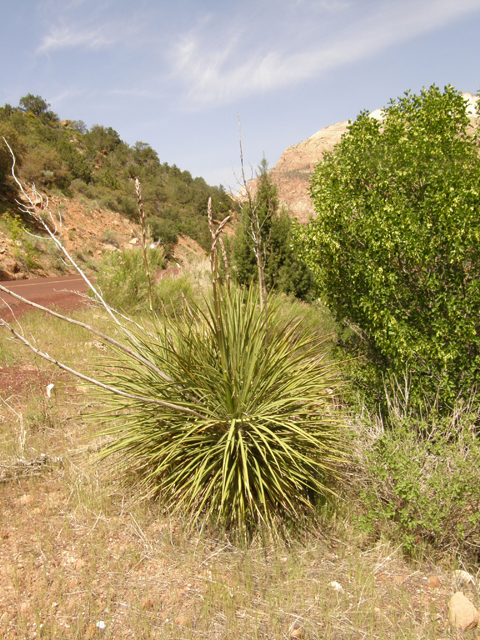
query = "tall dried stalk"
{"x": 216, "y": 280}
{"x": 144, "y": 243}
{"x": 255, "y": 231}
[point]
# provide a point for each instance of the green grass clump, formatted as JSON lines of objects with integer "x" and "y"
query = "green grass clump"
{"x": 248, "y": 433}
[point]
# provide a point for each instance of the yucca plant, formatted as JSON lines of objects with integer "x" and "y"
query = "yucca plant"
{"x": 258, "y": 438}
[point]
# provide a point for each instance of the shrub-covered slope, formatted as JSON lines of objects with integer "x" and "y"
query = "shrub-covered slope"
{"x": 97, "y": 165}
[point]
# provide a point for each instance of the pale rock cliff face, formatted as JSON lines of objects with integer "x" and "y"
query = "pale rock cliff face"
{"x": 293, "y": 170}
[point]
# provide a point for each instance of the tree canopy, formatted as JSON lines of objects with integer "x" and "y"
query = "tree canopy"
{"x": 395, "y": 245}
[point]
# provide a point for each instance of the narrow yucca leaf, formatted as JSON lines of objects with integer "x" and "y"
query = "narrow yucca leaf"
{"x": 265, "y": 438}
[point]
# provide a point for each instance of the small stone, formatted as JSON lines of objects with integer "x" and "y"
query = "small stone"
{"x": 462, "y": 613}
{"x": 433, "y": 582}
{"x": 337, "y": 586}
{"x": 25, "y": 607}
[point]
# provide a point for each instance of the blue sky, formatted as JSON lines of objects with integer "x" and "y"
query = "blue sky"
{"x": 177, "y": 74}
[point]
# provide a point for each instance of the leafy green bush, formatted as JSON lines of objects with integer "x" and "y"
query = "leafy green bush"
{"x": 122, "y": 280}
{"x": 7, "y": 131}
{"x": 174, "y": 293}
{"x": 248, "y": 433}
{"x": 163, "y": 230}
{"x": 395, "y": 244}
{"x": 25, "y": 248}
{"x": 419, "y": 484}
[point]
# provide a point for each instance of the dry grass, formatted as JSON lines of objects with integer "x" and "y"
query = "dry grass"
{"x": 82, "y": 558}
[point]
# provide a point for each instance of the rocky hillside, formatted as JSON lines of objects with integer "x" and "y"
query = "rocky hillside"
{"x": 293, "y": 170}
{"x": 88, "y": 176}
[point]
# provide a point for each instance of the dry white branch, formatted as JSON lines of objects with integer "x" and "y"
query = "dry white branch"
{"x": 91, "y": 329}
{"x": 36, "y": 201}
{"x": 35, "y": 206}
{"x": 97, "y": 383}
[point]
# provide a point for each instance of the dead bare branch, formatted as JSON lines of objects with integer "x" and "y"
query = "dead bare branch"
{"x": 35, "y": 206}
{"x": 103, "y": 336}
{"x": 97, "y": 383}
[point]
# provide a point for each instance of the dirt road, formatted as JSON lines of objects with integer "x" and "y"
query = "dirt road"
{"x": 56, "y": 291}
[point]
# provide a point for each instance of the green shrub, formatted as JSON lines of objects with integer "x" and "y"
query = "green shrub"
{"x": 248, "y": 434}
{"x": 394, "y": 246}
{"x": 175, "y": 293}
{"x": 166, "y": 231}
{"x": 128, "y": 207}
{"x": 122, "y": 279}
{"x": 420, "y": 485}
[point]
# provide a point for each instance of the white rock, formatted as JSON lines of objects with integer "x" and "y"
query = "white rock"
{"x": 463, "y": 577}
{"x": 337, "y": 586}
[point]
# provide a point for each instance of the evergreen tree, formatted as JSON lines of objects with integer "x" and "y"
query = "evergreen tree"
{"x": 283, "y": 269}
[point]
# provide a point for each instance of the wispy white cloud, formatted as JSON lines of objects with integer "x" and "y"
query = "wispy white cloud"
{"x": 67, "y": 37}
{"x": 216, "y": 71}
{"x": 135, "y": 92}
{"x": 64, "y": 96}
{"x": 87, "y": 24}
